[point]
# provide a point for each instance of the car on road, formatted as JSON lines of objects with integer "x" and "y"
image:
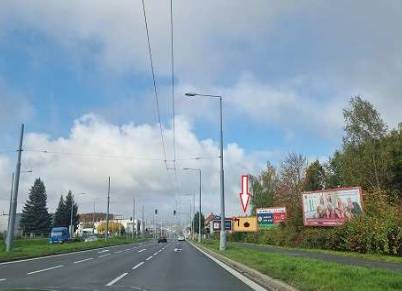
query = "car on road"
{"x": 181, "y": 238}
{"x": 162, "y": 239}
{"x": 59, "y": 235}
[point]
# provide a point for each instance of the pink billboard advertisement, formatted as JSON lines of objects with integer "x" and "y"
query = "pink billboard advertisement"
{"x": 331, "y": 207}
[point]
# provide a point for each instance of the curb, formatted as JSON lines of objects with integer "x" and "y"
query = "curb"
{"x": 254, "y": 275}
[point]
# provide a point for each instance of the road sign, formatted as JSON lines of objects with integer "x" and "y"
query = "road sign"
{"x": 244, "y": 194}
{"x": 269, "y": 217}
{"x": 216, "y": 224}
{"x": 245, "y": 224}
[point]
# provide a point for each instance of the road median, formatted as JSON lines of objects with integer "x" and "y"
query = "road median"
{"x": 28, "y": 249}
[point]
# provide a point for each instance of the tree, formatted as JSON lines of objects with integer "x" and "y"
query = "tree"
{"x": 362, "y": 122}
{"x": 263, "y": 188}
{"x": 196, "y": 220}
{"x": 315, "y": 177}
{"x": 69, "y": 202}
{"x": 60, "y": 214}
{"x": 35, "y": 218}
{"x": 114, "y": 228}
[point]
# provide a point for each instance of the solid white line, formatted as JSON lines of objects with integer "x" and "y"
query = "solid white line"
{"x": 116, "y": 279}
{"x": 104, "y": 251}
{"x": 84, "y": 260}
{"x": 232, "y": 271}
{"x": 147, "y": 259}
{"x": 104, "y": 255}
{"x": 138, "y": 265}
{"x": 140, "y": 251}
{"x": 47, "y": 269}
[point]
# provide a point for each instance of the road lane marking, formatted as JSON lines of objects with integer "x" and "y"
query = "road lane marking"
{"x": 101, "y": 256}
{"x": 104, "y": 251}
{"x": 127, "y": 249}
{"x": 116, "y": 279}
{"x": 118, "y": 252}
{"x": 155, "y": 253}
{"x": 138, "y": 265}
{"x": 147, "y": 259}
{"x": 43, "y": 270}
{"x": 84, "y": 260}
{"x": 140, "y": 251}
{"x": 3, "y": 279}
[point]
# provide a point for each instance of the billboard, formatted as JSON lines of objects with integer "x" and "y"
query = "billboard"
{"x": 331, "y": 207}
{"x": 269, "y": 217}
{"x": 245, "y": 224}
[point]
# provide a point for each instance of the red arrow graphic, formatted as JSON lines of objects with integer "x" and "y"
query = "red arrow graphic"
{"x": 244, "y": 195}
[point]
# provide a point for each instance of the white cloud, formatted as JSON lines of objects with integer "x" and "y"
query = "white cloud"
{"x": 131, "y": 155}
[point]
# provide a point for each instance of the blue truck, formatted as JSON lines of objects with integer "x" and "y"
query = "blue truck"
{"x": 59, "y": 235}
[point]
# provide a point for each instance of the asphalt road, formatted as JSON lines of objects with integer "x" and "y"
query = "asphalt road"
{"x": 141, "y": 266}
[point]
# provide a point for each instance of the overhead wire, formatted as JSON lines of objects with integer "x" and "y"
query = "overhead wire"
{"x": 154, "y": 84}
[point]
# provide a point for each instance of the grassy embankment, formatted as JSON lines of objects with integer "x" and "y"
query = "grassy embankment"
{"x": 312, "y": 274}
{"x": 40, "y": 247}
{"x": 372, "y": 257}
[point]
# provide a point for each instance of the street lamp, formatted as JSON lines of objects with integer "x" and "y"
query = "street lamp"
{"x": 71, "y": 214}
{"x": 191, "y": 216}
{"x": 222, "y": 242}
{"x": 199, "y": 212}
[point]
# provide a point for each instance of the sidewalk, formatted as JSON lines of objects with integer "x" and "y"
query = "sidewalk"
{"x": 353, "y": 261}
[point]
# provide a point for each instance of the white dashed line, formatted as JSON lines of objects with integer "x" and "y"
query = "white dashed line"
{"x": 138, "y": 265}
{"x": 118, "y": 252}
{"x": 116, "y": 279}
{"x": 104, "y": 255}
{"x": 155, "y": 253}
{"x": 140, "y": 251}
{"x": 104, "y": 251}
{"x": 84, "y": 260}
{"x": 3, "y": 279}
{"x": 43, "y": 270}
{"x": 147, "y": 259}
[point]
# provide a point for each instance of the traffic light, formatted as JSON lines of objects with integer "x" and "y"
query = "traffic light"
{"x": 174, "y": 212}
{"x": 156, "y": 211}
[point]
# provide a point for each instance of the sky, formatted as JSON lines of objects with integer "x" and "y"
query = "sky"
{"x": 77, "y": 74}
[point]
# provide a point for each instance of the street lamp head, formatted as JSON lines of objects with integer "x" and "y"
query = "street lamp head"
{"x": 191, "y": 94}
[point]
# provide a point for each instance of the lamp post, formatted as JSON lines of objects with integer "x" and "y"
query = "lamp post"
{"x": 71, "y": 214}
{"x": 192, "y": 208}
{"x": 222, "y": 242}
{"x": 199, "y": 212}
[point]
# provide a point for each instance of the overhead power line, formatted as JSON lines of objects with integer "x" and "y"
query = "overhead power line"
{"x": 154, "y": 84}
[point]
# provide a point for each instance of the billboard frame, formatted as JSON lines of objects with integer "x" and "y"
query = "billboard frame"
{"x": 329, "y": 190}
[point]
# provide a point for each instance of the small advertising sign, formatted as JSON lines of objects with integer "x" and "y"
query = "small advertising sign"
{"x": 216, "y": 225}
{"x": 269, "y": 217}
{"x": 245, "y": 224}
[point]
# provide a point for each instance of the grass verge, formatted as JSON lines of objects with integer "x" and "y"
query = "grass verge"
{"x": 372, "y": 257}
{"x": 24, "y": 249}
{"x": 312, "y": 274}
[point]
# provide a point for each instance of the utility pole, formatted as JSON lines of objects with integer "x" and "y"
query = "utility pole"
{"x": 71, "y": 217}
{"x": 107, "y": 211}
{"x": 93, "y": 219}
{"x": 12, "y": 214}
{"x": 11, "y": 198}
{"x": 199, "y": 216}
{"x": 132, "y": 235}
{"x": 142, "y": 222}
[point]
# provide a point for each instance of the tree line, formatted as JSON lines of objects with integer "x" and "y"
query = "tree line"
{"x": 35, "y": 218}
{"x": 370, "y": 157}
